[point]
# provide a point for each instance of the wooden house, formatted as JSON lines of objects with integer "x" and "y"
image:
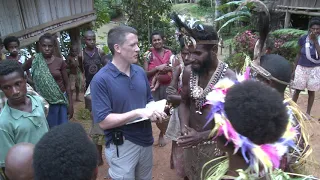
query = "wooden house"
{"x": 29, "y": 19}
{"x": 301, "y": 7}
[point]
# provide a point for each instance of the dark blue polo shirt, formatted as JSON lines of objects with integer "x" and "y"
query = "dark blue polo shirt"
{"x": 114, "y": 92}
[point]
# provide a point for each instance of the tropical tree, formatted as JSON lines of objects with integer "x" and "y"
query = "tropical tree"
{"x": 102, "y": 12}
{"x": 286, "y": 42}
{"x": 147, "y": 16}
{"x": 241, "y": 14}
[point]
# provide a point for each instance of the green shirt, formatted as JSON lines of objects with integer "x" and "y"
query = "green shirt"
{"x": 18, "y": 126}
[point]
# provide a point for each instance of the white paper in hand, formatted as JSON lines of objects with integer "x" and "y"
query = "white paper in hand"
{"x": 153, "y": 106}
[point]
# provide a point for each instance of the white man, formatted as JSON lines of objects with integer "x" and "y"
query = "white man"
{"x": 120, "y": 92}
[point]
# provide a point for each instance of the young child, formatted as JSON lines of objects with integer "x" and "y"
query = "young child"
{"x": 155, "y": 83}
{"x": 12, "y": 45}
{"x": 23, "y": 116}
{"x": 96, "y": 133}
{"x": 75, "y": 75}
{"x": 90, "y": 58}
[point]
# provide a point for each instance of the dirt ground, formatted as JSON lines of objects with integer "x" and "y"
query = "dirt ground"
{"x": 161, "y": 155}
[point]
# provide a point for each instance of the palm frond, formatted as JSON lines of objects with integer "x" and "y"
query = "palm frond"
{"x": 291, "y": 44}
{"x": 290, "y": 31}
{"x": 237, "y": 18}
{"x": 230, "y": 4}
{"x": 234, "y": 2}
{"x": 233, "y": 14}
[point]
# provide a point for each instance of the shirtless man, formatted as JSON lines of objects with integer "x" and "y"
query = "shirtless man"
{"x": 90, "y": 58}
{"x": 206, "y": 70}
{"x": 75, "y": 75}
{"x": 19, "y": 162}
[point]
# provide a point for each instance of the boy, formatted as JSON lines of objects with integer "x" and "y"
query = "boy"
{"x": 75, "y": 75}
{"x": 23, "y": 116}
{"x": 96, "y": 133}
{"x": 90, "y": 59}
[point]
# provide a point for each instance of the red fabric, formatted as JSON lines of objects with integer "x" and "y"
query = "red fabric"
{"x": 157, "y": 60}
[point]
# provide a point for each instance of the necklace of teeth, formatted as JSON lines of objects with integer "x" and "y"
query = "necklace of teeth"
{"x": 197, "y": 93}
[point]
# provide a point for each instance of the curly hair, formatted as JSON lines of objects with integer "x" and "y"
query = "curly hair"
{"x": 10, "y": 66}
{"x": 256, "y": 111}
{"x": 10, "y": 39}
{"x": 65, "y": 153}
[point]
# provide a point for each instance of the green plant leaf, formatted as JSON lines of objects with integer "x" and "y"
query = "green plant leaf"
{"x": 291, "y": 31}
{"x": 238, "y": 18}
{"x": 233, "y": 14}
{"x": 229, "y": 5}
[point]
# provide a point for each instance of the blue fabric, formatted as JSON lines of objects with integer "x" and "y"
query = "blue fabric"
{"x": 58, "y": 114}
{"x": 114, "y": 92}
{"x": 303, "y": 61}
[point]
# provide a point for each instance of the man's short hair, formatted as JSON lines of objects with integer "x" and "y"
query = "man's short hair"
{"x": 10, "y": 39}
{"x": 117, "y": 35}
{"x": 256, "y": 111}
{"x": 65, "y": 153}
{"x": 10, "y": 66}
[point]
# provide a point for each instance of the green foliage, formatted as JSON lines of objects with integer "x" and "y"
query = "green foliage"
{"x": 233, "y": 15}
{"x": 237, "y": 18}
{"x": 205, "y": 3}
{"x": 236, "y": 61}
{"x": 106, "y": 49}
{"x": 283, "y": 42}
{"x": 102, "y": 11}
{"x": 147, "y": 16}
{"x": 193, "y": 10}
{"x": 236, "y": 15}
{"x": 289, "y": 31}
{"x": 286, "y": 42}
{"x": 114, "y": 8}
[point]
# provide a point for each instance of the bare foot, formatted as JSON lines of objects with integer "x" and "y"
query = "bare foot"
{"x": 162, "y": 141}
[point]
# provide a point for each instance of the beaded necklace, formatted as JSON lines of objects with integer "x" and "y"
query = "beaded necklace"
{"x": 197, "y": 93}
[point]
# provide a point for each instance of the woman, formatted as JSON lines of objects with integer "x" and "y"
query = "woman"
{"x": 156, "y": 62}
{"x": 307, "y": 70}
{"x": 51, "y": 81}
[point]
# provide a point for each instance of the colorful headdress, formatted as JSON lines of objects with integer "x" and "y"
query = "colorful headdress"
{"x": 187, "y": 26}
{"x": 267, "y": 156}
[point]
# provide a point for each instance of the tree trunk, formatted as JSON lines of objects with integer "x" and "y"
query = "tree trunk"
{"x": 75, "y": 38}
{"x": 287, "y": 20}
{"x": 56, "y": 46}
